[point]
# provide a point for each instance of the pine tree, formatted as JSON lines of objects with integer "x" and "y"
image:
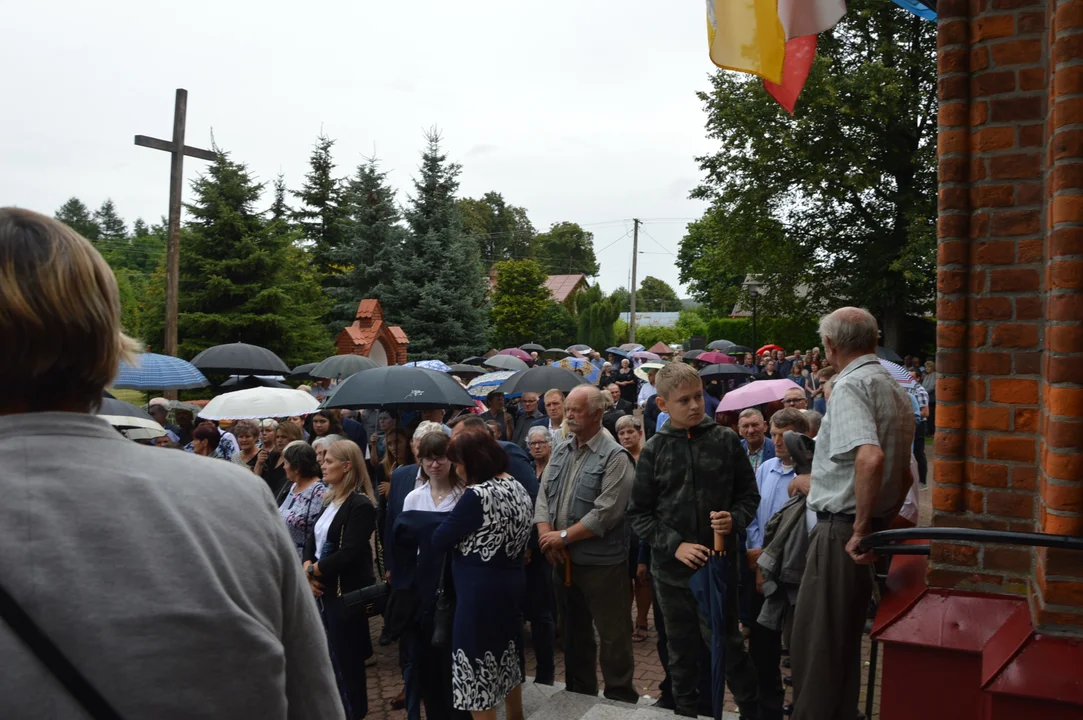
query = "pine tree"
{"x": 241, "y": 279}
{"x": 111, "y": 227}
{"x": 373, "y": 239}
{"x": 76, "y": 215}
{"x": 279, "y": 209}
{"x": 321, "y": 209}
{"x": 440, "y": 288}
{"x": 140, "y": 228}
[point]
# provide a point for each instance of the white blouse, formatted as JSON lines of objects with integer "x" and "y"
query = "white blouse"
{"x": 421, "y": 499}
{"x": 323, "y": 525}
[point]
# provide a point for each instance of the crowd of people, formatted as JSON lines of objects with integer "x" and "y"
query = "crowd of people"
{"x": 245, "y": 579}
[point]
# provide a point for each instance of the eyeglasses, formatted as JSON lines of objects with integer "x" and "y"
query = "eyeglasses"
{"x": 434, "y": 461}
{"x": 537, "y": 443}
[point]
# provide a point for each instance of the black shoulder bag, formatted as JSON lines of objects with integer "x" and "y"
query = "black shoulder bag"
{"x": 54, "y": 660}
{"x": 444, "y": 615}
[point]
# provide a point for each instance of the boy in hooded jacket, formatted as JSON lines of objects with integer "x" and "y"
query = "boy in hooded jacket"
{"x": 693, "y": 480}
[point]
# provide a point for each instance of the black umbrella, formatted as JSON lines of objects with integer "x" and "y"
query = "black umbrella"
{"x": 247, "y": 382}
{"x": 708, "y": 585}
{"x": 134, "y": 422}
{"x": 888, "y": 354}
{"x": 464, "y": 371}
{"x": 532, "y": 347}
{"x": 738, "y": 350}
{"x": 475, "y": 360}
{"x": 240, "y": 359}
{"x": 725, "y": 372}
{"x": 692, "y": 355}
{"x": 410, "y": 388}
{"x": 337, "y": 367}
{"x": 555, "y": 354}
{"x": 303, "y": 372}
{"x": 542, "y": 379}
{"x": 506, "y": 362}
{"x": 723, "y": 346}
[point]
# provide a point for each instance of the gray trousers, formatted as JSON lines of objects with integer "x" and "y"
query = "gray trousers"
{"x": 825, "y": 649}
{"x": 686, "y": 631}
{"x": 599, "y": 597}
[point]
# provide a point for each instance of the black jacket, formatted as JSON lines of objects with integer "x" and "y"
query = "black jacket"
{"x": 609, "y": 420}
{"x": 348, "y": 556}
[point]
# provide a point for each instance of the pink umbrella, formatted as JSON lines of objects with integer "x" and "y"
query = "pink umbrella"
{"x": 517, "y": 353}
{"x": 755, "y": 393}
{"x": 715, "y": 358}
{"x": 645, "y": 355}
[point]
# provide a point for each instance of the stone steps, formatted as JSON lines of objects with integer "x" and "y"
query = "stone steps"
{"x": 553, "y": 702}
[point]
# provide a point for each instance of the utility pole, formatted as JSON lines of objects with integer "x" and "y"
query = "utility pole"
{"x": 632, "y": 294}
{"x": 178, "y": 150}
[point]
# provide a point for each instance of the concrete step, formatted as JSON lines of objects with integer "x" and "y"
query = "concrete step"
{"x": 553, "y": 702}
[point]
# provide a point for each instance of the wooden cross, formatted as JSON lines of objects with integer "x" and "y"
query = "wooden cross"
{"x": 176, "y": 181}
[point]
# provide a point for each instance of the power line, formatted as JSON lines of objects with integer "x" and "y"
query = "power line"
{"x": 658, "y": 243}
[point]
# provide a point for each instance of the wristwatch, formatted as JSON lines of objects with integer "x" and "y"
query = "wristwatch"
{"x": 564, "y": 537}
{"x": 311, "y": 570}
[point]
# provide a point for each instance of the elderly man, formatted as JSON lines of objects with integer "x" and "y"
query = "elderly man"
{"x": 528, "y": 414}
{"x": 647, "y": 391}
{"x": 754, "y": 440}
{"x": 860, "y": 477}
{"x": 159, "y": 410}
{"x": 795, "y": 398}
{"x": 580, "y": 516}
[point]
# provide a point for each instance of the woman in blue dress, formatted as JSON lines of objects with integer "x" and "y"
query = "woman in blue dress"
{"x": 488, "y": 531}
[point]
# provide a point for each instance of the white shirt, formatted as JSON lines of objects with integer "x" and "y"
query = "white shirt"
{"x": 646, "y": 393}
{"x": 421, "y": 499}
{"x": 323, "y": 525}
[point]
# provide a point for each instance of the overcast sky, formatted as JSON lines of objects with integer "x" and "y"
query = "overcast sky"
{"x": 575, "y": 110}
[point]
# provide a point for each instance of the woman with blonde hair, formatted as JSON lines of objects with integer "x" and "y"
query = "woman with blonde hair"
{"x": 337, "y": 559}
{"x": 61, "y": 346}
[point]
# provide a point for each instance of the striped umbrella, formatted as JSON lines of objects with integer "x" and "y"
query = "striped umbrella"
{"x": 482, "y": 385}
{"x": 159, "y": 372}
{"x": 898, "y": 372}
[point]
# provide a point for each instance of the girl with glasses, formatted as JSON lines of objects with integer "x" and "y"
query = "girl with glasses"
{"x": 443, "y": 487}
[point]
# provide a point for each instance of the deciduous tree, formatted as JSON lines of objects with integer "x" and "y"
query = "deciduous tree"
{"x": 518, "y": 302}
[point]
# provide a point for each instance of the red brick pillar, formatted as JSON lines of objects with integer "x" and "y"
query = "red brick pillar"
{"x": 1010, "y": 301}
{"x": 1058, "y": 592}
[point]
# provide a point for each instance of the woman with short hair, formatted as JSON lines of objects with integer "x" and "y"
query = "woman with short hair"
{"x": 267, "y": 428}
{"x": 320, "y": 445}
{"x": 247, "y": 434}
{"x": 304, "y": 500}
{"x": 337, "y": 558}
{"x": 539, "y": 442}
{"x": 488, "y": 532}
{"x": 205, "y": 440}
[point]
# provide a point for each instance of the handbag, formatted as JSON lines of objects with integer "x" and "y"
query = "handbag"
{"x": 444, "y": 614}
{"x": 368, "y": 601}
{"x": 88, "y": 697}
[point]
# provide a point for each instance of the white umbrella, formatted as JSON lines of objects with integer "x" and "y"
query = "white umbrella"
{"x": 260, "y": 402}
{"x": 642, "y": 370}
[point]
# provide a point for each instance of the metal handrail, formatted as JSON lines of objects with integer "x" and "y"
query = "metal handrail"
{"x": 881, "y": 541}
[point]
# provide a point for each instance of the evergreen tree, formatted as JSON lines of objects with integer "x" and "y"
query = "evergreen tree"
{"x": 139, "y": 228}
{"x": 321, "y": 209}
{"x": 440, "y": 290}
{"x": 556, "y": 326}
{"x": 373, "y": 240}
{"x": 597, "y": 313}
{"x": 241, "y": 279}
{"x": 77, "y": 216}
{"x": 111, "y": 227}
{"x": 279, "y": 209}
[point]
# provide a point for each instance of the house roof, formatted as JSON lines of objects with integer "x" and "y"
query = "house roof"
{"x": 367, "y": 309}
{"x": 562, "y": 286}
{"x": 660, "y": 348}
{"x": 362, "y": 337}
{"x": 399, "y": 334}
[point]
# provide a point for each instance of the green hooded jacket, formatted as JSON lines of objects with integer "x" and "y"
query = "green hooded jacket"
{"x": 681, "y": 477}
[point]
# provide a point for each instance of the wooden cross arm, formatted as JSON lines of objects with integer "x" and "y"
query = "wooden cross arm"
{"x": 167, "y": 146}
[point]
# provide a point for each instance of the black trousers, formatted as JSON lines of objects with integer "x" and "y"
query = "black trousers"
{"x": 538, "y": 611}
{"x": 919, "y": 451}
{"x": 665, "y": 688}
{"x": 348, "y": 640}
{"x": 765, "y": 648}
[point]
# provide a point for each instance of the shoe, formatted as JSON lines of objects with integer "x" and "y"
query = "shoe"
{"x": 371, "y": 662}
{"x": 665, "y": 703}
{"x": 787, "y": 709}
{"x": 399, "y": 702}
{"x": 386, "y": 639}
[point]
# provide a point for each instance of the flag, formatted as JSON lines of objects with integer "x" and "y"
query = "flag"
{"x": 800, "y": 54}
{"x": 809, "y": 17}
{"x": 747, "y": 36}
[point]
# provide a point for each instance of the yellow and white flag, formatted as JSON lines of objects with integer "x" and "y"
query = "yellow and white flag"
{"x": 747, "y": 36}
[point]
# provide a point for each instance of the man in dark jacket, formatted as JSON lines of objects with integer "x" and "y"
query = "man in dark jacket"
{"x": 528, "y": 414}
{"x": 619, "y": 409}
{"x": 693, "y": 480}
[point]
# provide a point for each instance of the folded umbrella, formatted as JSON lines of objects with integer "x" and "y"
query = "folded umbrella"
{"x": 240, "y": 359}
{"x": 259, "y": 402}
{"x": 480, "y": 387}
{"x": 405, "y": 388}
{"x": 159, "y": 372}
{"x": 542, "y": 379}
{"x": 337, "y": 367}
{"x": 708, "y": 585}
{"x": 756, "y": 393}
{"x": 506, "y": 362}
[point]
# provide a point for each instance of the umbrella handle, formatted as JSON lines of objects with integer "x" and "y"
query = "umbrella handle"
{"x": 720, "y": 543}
{"x": 567, "y": 570}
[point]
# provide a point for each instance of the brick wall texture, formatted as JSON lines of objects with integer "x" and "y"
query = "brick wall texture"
{"x": 1009, "y": 439}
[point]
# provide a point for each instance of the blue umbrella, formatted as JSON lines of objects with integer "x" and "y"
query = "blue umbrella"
{"x": 618, "y": 352}
{"x": 708, "y": 584}
{"x": 482, "y": 385}
{"x": 436, "y": 365}
{"x": 159, "y": 372}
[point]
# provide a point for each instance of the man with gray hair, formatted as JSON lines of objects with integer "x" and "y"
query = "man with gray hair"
{"x": 860, "y": 477}
{"x": 580, "y": 516}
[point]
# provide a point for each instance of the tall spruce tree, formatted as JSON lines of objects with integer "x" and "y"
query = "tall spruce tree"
{"x": 373, "y": 243}
{"x": 279, "y": 209}
{"x": 440, "y": 289}
{"x": 239, "y": 276}
{"x": 321, "y": 209}
{"x": 76, "y": 215}
{"x": 111, "y": 227}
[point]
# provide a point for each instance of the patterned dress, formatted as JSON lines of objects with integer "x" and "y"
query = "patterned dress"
{"x": 488, "y": 529}
{"x": 301, "y": 511}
